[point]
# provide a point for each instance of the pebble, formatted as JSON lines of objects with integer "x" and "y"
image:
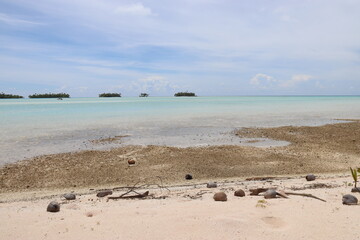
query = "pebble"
{"x": 211, "y": 185}
{"x": 188, "y": 177}
{"x": 239, "y": 193}
{"x": 104, "y": 193}
{"x": 349, "y": 199}
{"x": 357, "y": 189}
{"x": 53, "y": 207}
{"x": 69, "y": 196}
{"x": 310, "y": 177}
{"x": 131, "y": 162}
{"x": 271, "y": 193}
{"x": 220, "y": 196}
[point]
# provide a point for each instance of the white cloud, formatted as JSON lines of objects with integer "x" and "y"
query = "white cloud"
{"x": 296, "y": 79}
{"x": 264, "y": 81}
{"x": 16, "y": 21}
{"x": 134, "y": 9}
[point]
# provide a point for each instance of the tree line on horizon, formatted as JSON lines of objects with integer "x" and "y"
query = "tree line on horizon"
{"x": 66, "y": 95}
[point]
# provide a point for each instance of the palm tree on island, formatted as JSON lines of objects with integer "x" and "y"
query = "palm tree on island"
{"x": 110, "y": 95}
{"x": 185, "y": 94}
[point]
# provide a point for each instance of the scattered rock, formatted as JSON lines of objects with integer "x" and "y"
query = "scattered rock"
{"x": 53, "y": 207}
{"x": 220, "y": 196}
{"x": 211, "y": 185}
{"x": 69, "y": 196}
{"x": 188, "y": 177}
{"x": 131, "y": 162}
{"x": 239, "y": 193}
{"x": 349, "y": 199}
{"x": 271, "y": 193}
{"x": 310, "y": 177}
{"x": 104, "y": 193}
{"x": 357, "y": 189}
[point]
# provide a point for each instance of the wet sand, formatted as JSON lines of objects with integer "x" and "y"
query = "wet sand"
{"x": 330, "y": 148}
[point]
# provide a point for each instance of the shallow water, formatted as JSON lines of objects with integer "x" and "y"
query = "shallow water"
{"x": 30, "y": 127}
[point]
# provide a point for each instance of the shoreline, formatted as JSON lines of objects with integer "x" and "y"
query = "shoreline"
{"x": 331, "y": 148}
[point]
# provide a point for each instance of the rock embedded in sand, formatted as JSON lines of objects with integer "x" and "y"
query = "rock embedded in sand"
{"x": 239, "y": 193}
{"x": 53, "y": 207}
{"x": 188, "y": 177}
{"x": 310, "y": 177}
{"x": 271, "y": 193}
{"x": 357, "y": 189}
{"x": 220, "y": 196}
{"x": 349, "y": 199}
{"x": 69, "y": 196}
{"x": 131, "y": 162}
{"x": 211, "y": 185}
{"x": 104, "y": 193}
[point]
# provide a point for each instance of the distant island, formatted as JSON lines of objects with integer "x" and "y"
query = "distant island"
{"x": 143, "y": 95}
{"x": 185, "y": 94}
{"x": 50, "y": 95}
{"x": 110, "y": 95}
{"x": 4, "y": 95}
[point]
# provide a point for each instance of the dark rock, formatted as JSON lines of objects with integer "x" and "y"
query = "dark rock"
{"x": 211, "y": 185}
{"x": 349, "y": 199}
{"x": 220, "y": 196}
{"x": 131, "y": 162}
{"x": 271, "y": 193}
{"x": 357, "y": 189}
{"x": 239, "y": 193}
{"x": 310, "y": 177}
{"x": 53, "y": 207}
{"x": 104, "y": 193}
{"x": 69, "y": 196}
{"x": 188, "y": 177}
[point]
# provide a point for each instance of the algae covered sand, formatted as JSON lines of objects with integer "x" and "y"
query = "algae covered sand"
{"x": 322, "y": 149}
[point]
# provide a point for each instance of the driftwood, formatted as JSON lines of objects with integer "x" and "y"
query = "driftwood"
{"x": 259, "y": 178}
{"x": 256, "y": 191}
{"x": 138, "y": 195}
{"x": 305, "y": 195}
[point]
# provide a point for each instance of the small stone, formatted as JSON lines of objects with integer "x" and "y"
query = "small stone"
{"x": 310, "y": 177}
{"x": 69, "y": 196}
{"x": 357, "y": 189}
{"x": 271, "y": 193}
{"x": 188, "y": 177}
{"x": 104, "y": 193}
{"x": 349, "y": 199}
{"x": 211, "y": 185}
{"x": 131, "y": 162}
{"x": 220, "y": 196}
{"x": 239, "y": 193}
{"x": 53, "y": 207}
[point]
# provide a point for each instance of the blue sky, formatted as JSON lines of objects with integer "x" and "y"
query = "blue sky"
{"x": 227, "y": 47}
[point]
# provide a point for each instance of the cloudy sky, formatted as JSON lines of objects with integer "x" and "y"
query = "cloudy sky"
{"x": 211, "y": 47}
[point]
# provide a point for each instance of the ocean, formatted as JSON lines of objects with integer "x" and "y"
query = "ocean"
{"x": 31, "y": 127}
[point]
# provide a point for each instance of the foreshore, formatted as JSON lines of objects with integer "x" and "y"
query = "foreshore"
{"x": 184, "y": 209}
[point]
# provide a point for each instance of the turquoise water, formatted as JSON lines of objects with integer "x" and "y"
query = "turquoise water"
{"x": 25, "y": 123}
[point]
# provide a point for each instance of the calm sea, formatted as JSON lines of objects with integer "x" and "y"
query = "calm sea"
{"x": 29, "y": 127}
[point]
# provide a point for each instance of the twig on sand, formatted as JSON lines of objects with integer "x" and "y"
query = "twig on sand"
{"x": 256, "y": 191}
{"x": 138, "y": 195}
{"x": 305, "y": 195}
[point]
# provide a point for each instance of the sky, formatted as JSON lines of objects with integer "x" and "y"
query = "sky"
{"x": 210, "y": 47}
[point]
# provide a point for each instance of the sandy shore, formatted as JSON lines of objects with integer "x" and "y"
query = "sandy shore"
{"x": 183, "y": 209}
{"x": 191, "y": 213}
